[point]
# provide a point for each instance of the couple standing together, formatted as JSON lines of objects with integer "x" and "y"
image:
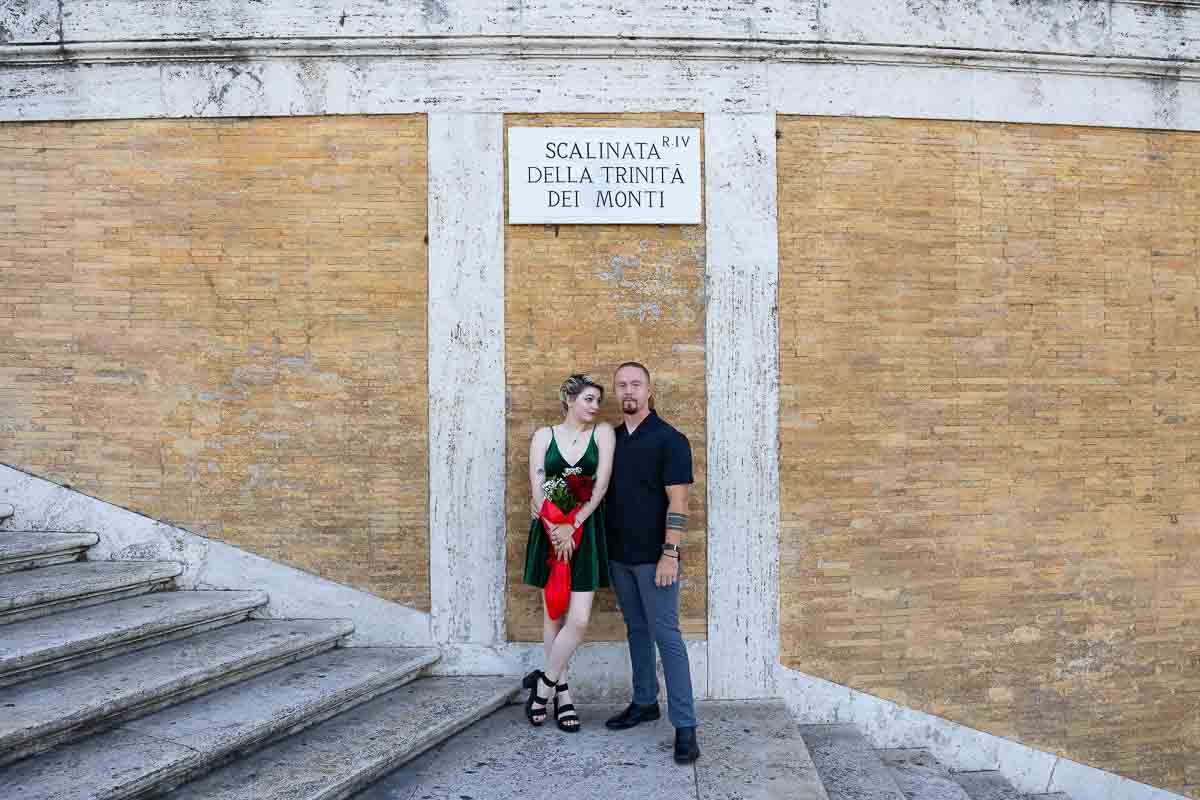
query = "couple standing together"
{"x": 630, "y": 531}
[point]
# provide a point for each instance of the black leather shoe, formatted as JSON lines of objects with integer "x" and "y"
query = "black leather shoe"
{"x": 687, "y": 749}
{"x": 634, "y": 715}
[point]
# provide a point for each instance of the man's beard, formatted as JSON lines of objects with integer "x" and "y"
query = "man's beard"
{"x": 630, "y": 406}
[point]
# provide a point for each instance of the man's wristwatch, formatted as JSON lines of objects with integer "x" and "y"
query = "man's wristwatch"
{"x": 671, "y": 549}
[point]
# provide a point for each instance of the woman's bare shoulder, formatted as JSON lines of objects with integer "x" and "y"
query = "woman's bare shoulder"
{"x": 604, "y": 429}
{"x": 541, "y": 434}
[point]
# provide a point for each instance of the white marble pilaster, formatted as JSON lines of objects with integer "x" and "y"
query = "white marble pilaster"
{"x": 466, "y": 378}
{"x": 743, "y": 404}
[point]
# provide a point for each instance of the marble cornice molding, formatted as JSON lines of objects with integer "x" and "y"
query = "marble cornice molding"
{"x": 594, "y": 48}
{"x": 1166, "y": 3}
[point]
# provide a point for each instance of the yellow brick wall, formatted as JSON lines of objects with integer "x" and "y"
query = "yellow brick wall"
{"x": 222, "y": 324}
{"x": 990, "y": 353}
{"x": 584, "y": 298}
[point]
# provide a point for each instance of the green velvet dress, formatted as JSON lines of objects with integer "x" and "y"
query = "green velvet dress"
{"x": 589, "y": 564}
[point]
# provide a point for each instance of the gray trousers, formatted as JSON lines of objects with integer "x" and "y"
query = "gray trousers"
{"x": 652, "y": 617}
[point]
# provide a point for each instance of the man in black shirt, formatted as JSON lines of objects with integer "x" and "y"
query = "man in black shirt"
{"x": 646, "y": 517}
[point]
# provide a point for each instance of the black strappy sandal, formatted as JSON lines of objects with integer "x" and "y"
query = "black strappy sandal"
{"x": 530, "y": 682}
{"x": 565, "y": 714}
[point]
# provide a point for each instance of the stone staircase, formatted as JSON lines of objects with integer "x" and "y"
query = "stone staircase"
{"x": 115, "y": 685}
{"x": 851, "y": 769}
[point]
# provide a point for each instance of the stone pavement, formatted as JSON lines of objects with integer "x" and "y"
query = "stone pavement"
{"x": 751, "y": 751}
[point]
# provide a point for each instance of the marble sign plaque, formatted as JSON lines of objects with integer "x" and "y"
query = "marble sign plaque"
{"x": 604, "y": 176}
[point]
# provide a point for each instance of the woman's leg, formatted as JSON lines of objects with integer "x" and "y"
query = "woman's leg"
{"x": 565, "y": 645}
{"x": 544, "y": 690}
{"x": 570, "y": 636}
{"x": 550, "y": 629}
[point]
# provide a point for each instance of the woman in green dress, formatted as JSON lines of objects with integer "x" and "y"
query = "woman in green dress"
{"x": 579, "y": 441}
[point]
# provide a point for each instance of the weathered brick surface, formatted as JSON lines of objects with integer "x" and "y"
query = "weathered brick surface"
{"x": 584, "y": 298}
{"x": 990, "y": 352}
{"x": 222, "y": 324}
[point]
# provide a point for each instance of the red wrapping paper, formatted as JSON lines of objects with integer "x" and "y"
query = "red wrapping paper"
{"x": 558, "y": 586}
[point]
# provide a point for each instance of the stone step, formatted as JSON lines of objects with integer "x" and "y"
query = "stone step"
{"x": 41, "y": 647}
{"x": 1050, "y": 796}
{"x": 753, "y": 750}
{"x": 43, "y": 713}
{"x": 920, "y": 776}
{"x": 989, "y": 785}
{"x": 49, "y": 590}
{"x": 849, "y": 767}
{"x": 169, "y": 747}
{"x": 28, "y": 549}
{"x": 750, "y": 750}
{"x": 335, "y": 759}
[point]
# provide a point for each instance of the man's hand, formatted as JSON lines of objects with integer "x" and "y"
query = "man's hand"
{"x": 667, "y": 572}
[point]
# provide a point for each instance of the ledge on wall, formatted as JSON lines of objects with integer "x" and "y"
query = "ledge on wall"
{"x": 255, "y": 80}
{"x": 1123, "y": 28}
{"x": 890, "y": 725}
{"x": 128, "y": 536}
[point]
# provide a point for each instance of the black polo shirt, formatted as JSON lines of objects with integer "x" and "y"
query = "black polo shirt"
{"x": 644, "y": 465}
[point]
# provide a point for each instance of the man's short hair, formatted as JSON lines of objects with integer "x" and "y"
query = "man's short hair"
{"x": 642, "y": 367}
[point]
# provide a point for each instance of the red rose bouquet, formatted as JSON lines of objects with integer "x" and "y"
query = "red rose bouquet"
{"x": 565, "y": 495}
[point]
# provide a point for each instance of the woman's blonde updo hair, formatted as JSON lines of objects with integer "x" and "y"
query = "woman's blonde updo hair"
{"x": 574, "y": 385}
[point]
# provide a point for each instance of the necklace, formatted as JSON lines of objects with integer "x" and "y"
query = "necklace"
{"x": 576, "y": 439}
